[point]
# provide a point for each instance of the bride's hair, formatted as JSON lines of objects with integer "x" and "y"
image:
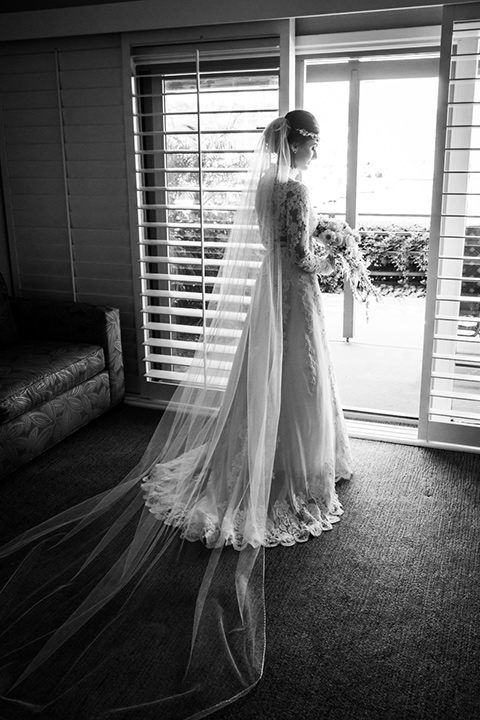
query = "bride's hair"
{"x": 296, "y": 127}
{"x": 303, "y": 125}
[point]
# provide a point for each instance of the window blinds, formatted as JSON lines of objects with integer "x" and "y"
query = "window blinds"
{"x": 454, "y": 387}
{"x": 197, "y": 118}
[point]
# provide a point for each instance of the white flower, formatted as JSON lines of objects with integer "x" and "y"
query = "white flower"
{"x": 342, "y": 242}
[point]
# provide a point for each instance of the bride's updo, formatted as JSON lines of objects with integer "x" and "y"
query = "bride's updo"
{"x": 303, "y": 125}
{"x": 296, "y": 127}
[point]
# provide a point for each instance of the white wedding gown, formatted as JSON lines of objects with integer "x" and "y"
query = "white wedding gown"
{"x": 110, "y": 614}
{"x": 312, "y": 450}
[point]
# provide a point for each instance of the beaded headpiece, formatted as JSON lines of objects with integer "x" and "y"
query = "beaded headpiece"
{"x": 307, "y": 133}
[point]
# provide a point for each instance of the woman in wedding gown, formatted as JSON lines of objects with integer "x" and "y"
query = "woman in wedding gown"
{"x": 311, "y": 449}
{"x": 109, "y": 587}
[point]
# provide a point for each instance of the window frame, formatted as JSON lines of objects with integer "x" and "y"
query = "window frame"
{"x": 255, "y": 39}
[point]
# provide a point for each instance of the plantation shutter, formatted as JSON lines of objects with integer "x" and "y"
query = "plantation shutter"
{"x": 62, "y": 152}
{"x": 451, "y": 384}
{"x": 198, "y": 113}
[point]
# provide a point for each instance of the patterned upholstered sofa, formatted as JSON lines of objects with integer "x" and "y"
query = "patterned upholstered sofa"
{"x": 61, "y": 365}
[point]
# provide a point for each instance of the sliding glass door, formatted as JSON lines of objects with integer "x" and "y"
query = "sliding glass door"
{"x": 375, "y": 169}
{"x": 400, "y": 160}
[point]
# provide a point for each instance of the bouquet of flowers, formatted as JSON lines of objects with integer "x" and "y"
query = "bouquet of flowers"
{"x": 342, "y": 244}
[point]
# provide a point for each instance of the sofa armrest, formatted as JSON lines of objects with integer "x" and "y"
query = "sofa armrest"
{"x": 75, "y": 322}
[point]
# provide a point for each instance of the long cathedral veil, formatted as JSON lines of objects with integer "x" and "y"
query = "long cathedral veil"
{"x": 109, "y": 610}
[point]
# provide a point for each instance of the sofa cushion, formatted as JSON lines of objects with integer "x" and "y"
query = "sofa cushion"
{"x": 8, "y": 328}
{"x": 26, "y": 436}
{"x": 32, "y": 373}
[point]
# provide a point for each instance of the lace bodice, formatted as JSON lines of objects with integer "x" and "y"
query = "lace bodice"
{"x": 286, "y": 217}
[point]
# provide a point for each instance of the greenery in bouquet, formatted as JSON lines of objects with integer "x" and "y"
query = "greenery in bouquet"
{"x": 397, "y": 259}
{"x": 341, "y": 243}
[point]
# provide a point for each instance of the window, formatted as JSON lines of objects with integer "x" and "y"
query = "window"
{"x": 451, "y": 409}
{"x": 376, "y": 158}
{"x": 197, "y": 118}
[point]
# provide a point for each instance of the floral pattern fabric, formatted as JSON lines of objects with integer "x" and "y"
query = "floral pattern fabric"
{"x": 32, "y": 373}
{"x": 75, "y": 322}
{"x": 27, "y": 435}
{"x": 62, "y": 367}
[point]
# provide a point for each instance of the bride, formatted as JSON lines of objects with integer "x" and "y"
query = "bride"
{"x": 109, "y": 612}
{"x": 281, "y": 441}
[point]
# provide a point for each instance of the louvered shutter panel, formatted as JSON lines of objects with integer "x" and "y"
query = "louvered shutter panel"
{"x": 197, "y": 119}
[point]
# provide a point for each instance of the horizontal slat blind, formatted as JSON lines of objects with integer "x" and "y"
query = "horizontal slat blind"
{"x": 455, "y": 378}
{"x": 197, "y": 120}
{"x": 33, "y": 175}
{"x": 93, "y": 116}
{"x": 68, "y": 204}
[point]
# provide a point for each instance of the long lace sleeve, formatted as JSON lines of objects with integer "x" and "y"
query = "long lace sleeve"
{"x": 304, "y": 252}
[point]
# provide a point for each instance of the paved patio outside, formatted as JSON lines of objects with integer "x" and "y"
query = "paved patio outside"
{"x": 380, "y": 367}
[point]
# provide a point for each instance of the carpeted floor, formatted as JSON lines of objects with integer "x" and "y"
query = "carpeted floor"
{"x": 376, "y": 620}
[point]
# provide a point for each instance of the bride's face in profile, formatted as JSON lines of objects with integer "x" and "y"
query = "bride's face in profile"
{"x": 305, "y": 153}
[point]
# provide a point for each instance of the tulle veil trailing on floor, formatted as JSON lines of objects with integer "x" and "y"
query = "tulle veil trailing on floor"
{"x": 109, "y": 611}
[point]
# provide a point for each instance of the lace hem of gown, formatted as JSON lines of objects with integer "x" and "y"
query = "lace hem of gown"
{"x": 286, "y": 525}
